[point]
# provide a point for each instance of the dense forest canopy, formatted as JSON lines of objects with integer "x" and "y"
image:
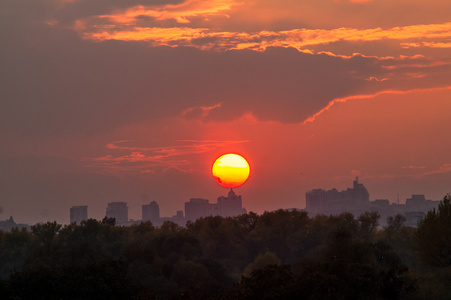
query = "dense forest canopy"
{"x": 276, "y": 255}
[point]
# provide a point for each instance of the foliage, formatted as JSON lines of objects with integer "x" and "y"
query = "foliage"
{"x": 395, "y": 223}
{"x": 433, "y": 237}
{"x": 260, "y": 262}
{"x": 283, "y": 254}
{"x": 15, "y": 247}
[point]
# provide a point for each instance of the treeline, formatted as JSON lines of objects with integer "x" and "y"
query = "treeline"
{"x": 276, "y": 255}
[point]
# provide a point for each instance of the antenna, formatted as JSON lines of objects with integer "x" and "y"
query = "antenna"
{"x": 398, "y": 198}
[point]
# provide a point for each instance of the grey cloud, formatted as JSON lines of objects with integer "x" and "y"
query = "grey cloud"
{"x": 65, "y": 11}
{"x": 78, "y": 87}
{"x": 55, "y": 84}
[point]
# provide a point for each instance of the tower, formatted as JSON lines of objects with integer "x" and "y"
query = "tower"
{"x": 78, "y": 214}
{"x": 151, "y": 212}
{"x": 231, "y": 205}
{"x": 119, "y": 211}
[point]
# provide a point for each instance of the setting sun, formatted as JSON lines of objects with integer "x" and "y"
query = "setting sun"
{"x": 230, "y": 170}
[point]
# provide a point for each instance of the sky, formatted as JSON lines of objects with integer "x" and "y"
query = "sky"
{"x": 133, "y": 101}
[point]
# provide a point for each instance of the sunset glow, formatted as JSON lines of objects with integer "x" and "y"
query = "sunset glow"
{"x": 230, "y": 170}
{"x": 107, "y": 100}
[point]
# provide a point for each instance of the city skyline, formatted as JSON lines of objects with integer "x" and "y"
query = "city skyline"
{"x": 80, "y": 209}
{"x": 355, "y": 200}
{"x": 102, "y": 101}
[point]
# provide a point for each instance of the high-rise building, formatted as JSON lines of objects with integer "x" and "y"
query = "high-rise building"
{"x": 355, "y": 200}
{"x": 229, "y": 206}
{"x": 416, "y": 200}
{"x": 119, "y": 211}
{"x": 78, "y": 214}
{"x": 151, "y": 212}
{"x": 197, "y": 207}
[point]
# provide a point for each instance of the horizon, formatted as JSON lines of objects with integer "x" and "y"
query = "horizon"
{"x": 99, "y": 216}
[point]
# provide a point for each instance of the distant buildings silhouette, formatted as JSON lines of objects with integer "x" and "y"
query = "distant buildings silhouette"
{"x": 229, "y": 206}
{"x": 78, "y": 214}
{"x": 151, "y": 212}
{"x": 119, "y": 211}
{"x": 9, "y": 224}
{"x": 356, "y": 201}
{"x": 318, "y": 201}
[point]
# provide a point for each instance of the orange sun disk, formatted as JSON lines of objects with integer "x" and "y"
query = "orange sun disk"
{"x": 230, "y": 170}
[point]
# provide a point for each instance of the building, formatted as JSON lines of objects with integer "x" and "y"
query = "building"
{"x": 354, "y": 200}
{"x": 178, "y": 219}
{"x": 380, "y": 204}
{"x": 78, "y": 214}
{"x": 415, "y": 201}
{"x": 119, "y": 211}
{"x": 151, "y": 212}
{"x": 229, "y": 206}
{"x": 197, "y": 208}
{"x": 9, "y": 224}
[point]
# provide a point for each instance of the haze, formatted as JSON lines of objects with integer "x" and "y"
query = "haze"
{"x": 103, "y": 101}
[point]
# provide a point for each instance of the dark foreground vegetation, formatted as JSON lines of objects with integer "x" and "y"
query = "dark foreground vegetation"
{"x": 277, "y": 255}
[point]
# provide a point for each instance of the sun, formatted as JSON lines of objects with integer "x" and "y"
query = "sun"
{"x": 230, "y": 170}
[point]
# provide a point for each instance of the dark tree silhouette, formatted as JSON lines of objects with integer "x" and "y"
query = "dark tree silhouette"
{"x": 433, "y": 237}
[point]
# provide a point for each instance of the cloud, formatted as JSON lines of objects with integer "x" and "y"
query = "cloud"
{"x": 154, "y": 159}
{"x": 419, "y": 172}
{"x": 179, "y": 12}
{"x": 211, "y": 24}
{"x": 93, "y": 88}
{"x": 375, "y": 79}
{"x": 369, "y": 96}
{"x": 414, "y": 167}
{"x": 54, "y": 84}
{"x": 300, "y": 39}
{"x": 445, "y": 168}
{"x": 442, "y": 45}
{"x": 199, "y": 112}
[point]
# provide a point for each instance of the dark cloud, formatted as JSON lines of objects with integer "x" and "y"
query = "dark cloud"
{"x": 58, "y": 84}
{"x": 69, "y": 11}
{"x": 53, "y": 83}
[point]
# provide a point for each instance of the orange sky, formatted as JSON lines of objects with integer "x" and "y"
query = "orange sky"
{"x": 106, "y": 100}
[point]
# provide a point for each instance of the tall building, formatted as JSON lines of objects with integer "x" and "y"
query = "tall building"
{"x": 229, "y": 206}
{"x": 354, "y": 200}
{"x": 197, "y": 207}
{"x": 119, "y": 211}
{"x": 151, "y": 212}
{"x": 416, "y": 200}
{"x": 78, "y": 214}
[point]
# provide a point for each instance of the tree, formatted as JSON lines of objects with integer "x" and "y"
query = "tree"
{"x": 433, "y": 237}
{"x": 46, "y": 233}
{"x": 368, "y": 222}
{"x": 261, "y": 262}
{"x": 401, "y": 238}
{"x": 395, "y": 223}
